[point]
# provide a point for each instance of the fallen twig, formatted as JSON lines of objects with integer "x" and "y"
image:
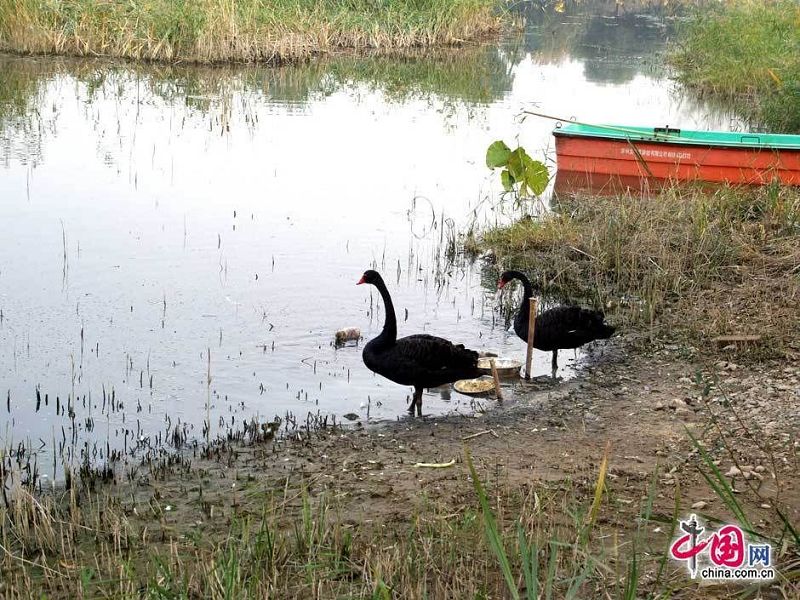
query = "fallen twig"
{"x": 474, "y": 435}
{"x": 435, "y": 465}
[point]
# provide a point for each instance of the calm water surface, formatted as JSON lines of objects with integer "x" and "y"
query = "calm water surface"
{"x": 163, "y": 224}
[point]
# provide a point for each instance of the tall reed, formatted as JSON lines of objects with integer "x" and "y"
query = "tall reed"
{"x": 209, "y": 31}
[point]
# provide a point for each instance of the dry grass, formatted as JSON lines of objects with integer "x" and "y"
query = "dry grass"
{"x": 691, "y": 263}
{"x": 291, "y": 543}
{"x": 211, "y": 31}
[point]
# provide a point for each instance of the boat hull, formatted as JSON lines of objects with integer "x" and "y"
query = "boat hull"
{"x": 675, "y": 161}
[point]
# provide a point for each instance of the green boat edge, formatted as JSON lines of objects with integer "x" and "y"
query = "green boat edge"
{"x": 684, "y": 137}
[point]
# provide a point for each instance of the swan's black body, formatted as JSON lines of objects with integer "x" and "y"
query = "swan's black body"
{"x": 422, "y": 360}
{"x": 560, "y": 327}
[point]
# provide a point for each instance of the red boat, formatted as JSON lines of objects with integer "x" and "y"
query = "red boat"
{"x": 603, "y": 151}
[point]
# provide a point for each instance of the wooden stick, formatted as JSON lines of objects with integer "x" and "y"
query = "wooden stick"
{"x": 480, "y": 433}
{"x": 420, "y": 465}
{"x": 531, "y": 332}
{"x": 497, "y": 392}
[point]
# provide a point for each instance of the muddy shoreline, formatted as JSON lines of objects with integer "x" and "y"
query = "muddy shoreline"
{"x": 341, "y": 509}
{"x": 640, "y": 404}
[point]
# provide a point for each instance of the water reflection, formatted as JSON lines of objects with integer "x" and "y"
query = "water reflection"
{"x": 615, "y": 42}
{"x": 445, "y": 81}
{"x": 175, "y": 226}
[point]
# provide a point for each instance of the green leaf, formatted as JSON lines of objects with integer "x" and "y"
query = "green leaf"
{"x": 529, "y": 554}
{"x": 719, "y": 483}
{"x": 516, "y": 163}
{"x": 507, "y": 180}
{"x": 531, "y": 174}
{"x": 497, "y": 155}
{"x": 536, "y": 176}
{"x": 552, "y": 563}
{"x": 492, "y": 531}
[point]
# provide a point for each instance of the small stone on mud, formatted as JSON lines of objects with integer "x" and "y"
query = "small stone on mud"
{"x": 351, "y": 416}
{"x": 733, "y": 472}
{"x": 700, "y": 505}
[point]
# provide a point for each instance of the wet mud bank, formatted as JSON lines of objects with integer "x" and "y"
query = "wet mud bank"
{"x": 352, "y": 505}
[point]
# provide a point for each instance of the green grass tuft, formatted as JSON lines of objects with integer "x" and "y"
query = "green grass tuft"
{"x": 746, "y": 52}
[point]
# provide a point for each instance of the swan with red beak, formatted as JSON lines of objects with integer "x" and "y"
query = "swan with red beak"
{"x": 421, "y": 360}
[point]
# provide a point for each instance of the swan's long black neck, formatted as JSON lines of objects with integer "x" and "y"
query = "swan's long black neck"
{"x": 526, "y": 286}
{"x": 521, "y": 320}
{"x": 389, "y": 334}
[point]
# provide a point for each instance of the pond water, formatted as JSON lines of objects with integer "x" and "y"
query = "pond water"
{"x": 168, "y": 226}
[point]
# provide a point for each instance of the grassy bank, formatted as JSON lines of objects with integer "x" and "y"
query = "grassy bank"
{"x": 209, "y": 31}
{"x": 283, "y": 543}
{"x": 747, "y": 53}
{"x": 688, "y": 263}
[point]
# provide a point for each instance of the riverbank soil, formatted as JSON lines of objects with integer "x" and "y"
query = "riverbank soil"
{"x": 329, "y": 512}
{"x": 549, "y": 445}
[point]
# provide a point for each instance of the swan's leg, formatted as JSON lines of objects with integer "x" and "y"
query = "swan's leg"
{"x": 554, "y": 364}
{"x": 416, "y": 401}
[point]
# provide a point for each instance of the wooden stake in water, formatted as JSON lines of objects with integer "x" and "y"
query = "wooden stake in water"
{"x": 497, "y": 392}
{"x": 531, "y": 332}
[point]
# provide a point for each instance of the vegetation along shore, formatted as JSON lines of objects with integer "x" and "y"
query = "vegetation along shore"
{"x": 745, "y": 53}
{"x": 694, "y": 264}
{"x": 210, "y": 31}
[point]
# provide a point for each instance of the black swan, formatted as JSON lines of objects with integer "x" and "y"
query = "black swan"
{"x": 560, "y": 327}
{"x": 422, "y": 360}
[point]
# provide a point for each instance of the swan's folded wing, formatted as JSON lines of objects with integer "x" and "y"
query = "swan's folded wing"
{"x": 569, "y": 327}
{"x": 435, "y": 352}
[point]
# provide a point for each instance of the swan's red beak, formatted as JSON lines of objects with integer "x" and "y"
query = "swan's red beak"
{"x": 501, "y": 284}
{"x": 360, "y": 281}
